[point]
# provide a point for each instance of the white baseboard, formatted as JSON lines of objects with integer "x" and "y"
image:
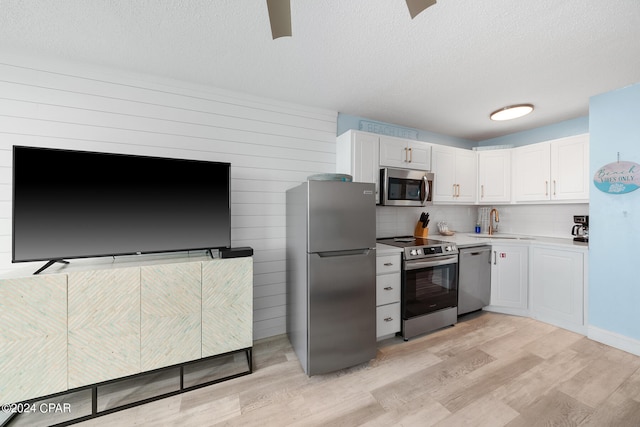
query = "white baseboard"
{"x": 621, "y": 342}
{"x": 508, "y": 310}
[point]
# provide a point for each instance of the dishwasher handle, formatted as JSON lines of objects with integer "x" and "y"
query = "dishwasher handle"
{"x": 472, "y": 252}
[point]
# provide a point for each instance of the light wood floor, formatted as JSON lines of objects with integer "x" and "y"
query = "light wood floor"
{"x": 489, "y": 370}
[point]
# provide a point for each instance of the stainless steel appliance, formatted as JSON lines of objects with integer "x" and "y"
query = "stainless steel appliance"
{"x": 429, "y": 284}
{"x": 581, "y": 229}
{"x": 474, "y": 279}
{"x": 331, "y": 274}
{"x": 405, "y": 187}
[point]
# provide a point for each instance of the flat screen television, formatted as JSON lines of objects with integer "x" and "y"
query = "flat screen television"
{"x": 77, "y": 204}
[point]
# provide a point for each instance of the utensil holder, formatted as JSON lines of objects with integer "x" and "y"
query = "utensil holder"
{"x": 420, "y": 232}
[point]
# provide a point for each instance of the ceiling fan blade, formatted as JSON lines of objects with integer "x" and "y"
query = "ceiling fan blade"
{"x": 280, "y": 17}
{"x": 417, "y": 6}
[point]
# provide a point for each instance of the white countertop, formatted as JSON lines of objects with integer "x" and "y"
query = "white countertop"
{"x": 469, "y": 239}
{"x": 386, "y": 250}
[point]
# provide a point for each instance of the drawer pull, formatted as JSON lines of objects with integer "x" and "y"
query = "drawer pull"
{"x": 388, "y": 319}
{"x": 388, "y": 264}
{"x": 388, "y": 288}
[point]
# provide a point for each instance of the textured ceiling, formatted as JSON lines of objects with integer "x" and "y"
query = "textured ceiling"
{"x": 444, "y": 71}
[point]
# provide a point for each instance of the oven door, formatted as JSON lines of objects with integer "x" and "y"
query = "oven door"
{"x": 429, "y": 285}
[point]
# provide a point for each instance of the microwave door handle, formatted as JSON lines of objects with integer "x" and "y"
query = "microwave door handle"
{"x": 425, "y": 190}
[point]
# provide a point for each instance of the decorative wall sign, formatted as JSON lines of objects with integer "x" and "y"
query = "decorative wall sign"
{"x": 387, "y": 129}
{"x": 618, "y": 177}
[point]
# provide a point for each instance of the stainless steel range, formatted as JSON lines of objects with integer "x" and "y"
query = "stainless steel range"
{"x": 429, "y": 284}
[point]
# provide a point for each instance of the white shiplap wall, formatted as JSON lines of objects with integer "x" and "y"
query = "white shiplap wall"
{"x": 271, "y": 145}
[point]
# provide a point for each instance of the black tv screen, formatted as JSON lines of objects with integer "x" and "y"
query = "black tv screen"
{"x": 78, "y": 204}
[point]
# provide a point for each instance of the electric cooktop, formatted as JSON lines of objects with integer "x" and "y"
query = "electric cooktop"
{"x": 416, "y": 248}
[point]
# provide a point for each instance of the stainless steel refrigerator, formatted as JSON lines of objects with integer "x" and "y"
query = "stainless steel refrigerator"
{"x": 331, "y": 274}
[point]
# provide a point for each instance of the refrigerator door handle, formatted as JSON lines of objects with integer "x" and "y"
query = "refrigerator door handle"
{"x": 365, "y": 251}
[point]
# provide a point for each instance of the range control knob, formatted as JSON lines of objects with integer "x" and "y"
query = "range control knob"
{"x": 414, "y": 252}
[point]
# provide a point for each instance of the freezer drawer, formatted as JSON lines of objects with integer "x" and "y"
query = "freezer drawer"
{"x": 474, "y": 286}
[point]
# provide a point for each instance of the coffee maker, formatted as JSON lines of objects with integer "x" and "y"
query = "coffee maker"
{"x": 581, "y": 229}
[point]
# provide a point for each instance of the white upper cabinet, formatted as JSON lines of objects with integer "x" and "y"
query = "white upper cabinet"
{"x": 532, "y": 171}
{"x": 570, "y": 168}
{"x": 405, "y": 154}
{"x": 494, "y": 176}
{"x": 555, "y": 170}
{"x": 455, "y": 179}
{"x": 357, "y": 155}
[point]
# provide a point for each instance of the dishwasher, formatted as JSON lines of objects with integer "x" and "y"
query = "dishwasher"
{"x": 474, "y": 279}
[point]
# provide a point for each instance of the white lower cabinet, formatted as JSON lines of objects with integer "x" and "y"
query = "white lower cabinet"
{"x": 509, "y": 284}
{"x": 387, "y": 319}
{"x": 387, "y": 295}
{"x": 557, "y": 287}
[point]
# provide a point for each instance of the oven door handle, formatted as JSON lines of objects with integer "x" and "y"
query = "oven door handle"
{"x": 415, "y": 265}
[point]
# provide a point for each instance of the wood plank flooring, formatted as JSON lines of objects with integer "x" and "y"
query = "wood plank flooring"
{"x": 488, "y": 370}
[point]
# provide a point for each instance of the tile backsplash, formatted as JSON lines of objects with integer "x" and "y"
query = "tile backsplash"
{"x": 539, "y": 220}
{"x": 400, "y": 221}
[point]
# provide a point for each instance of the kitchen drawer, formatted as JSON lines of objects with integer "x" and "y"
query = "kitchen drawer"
{"x": 387, "y": 288}
{"x": 387, "y": 319}
{"x": 388, "y": 264}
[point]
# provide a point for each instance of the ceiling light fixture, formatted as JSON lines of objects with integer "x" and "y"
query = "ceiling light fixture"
{"x": 511, "y": 112}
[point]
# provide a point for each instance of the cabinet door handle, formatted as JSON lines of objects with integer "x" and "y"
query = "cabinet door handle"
{"x": 495, "y": 257}
{"x": 554, "y": 187}
{"x": 482, "y": 191}
{"x": 546, "y": 188}
{"x": 406, "y": 155}
{"x": 388, "y": 319}
{"x": 454, "y": 190}
{"x": 458, "y": 192}
{"x": 410, "y": 155}
{"x": 388, "y": 264}
{"x": 388, "y": 288}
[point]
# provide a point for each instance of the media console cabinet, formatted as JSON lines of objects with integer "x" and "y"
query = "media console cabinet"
{"x": 80, "y": 327}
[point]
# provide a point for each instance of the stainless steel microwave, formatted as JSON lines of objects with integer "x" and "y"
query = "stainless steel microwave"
{"x": 405, "y": 187}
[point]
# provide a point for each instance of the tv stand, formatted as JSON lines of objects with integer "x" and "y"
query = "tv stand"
{"x": 97, "y": 324}
{"x": 49, "y": 264}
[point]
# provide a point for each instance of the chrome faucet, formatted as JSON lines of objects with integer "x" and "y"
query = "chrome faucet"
{"x": 492, "y": 214}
